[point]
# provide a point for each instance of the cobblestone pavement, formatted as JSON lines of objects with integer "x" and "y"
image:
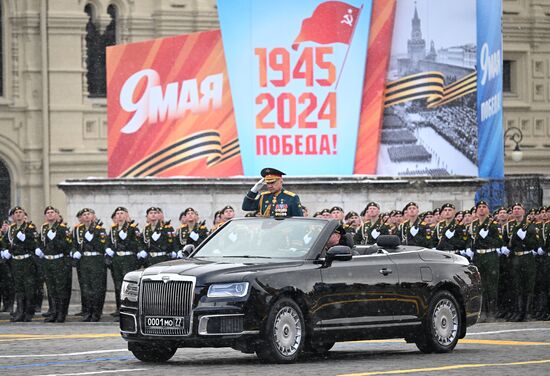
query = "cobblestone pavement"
{"x": 75, "y": 348}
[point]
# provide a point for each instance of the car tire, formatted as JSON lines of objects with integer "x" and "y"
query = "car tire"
{"x": 442, "y": 325}
{"x": 284, "y": 333}
{"x": 152, "y": 353}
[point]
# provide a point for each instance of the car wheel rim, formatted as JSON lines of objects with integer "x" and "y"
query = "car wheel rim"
{"x": 445, "y": 322}
{"x": 287, "y": 331}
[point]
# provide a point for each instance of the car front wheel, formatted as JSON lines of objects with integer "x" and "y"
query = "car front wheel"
{"x": 152, "y": 353}
{"x": 442, "y": 325}
{"x": 283, "y": 333}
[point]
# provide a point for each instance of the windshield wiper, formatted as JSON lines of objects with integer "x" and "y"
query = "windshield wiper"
{"x": 248, "y": 256}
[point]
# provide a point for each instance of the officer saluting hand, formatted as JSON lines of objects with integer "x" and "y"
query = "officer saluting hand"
{"x": 276, "y": 201}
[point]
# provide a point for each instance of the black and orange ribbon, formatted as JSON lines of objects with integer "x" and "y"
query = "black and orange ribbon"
{"x": 429, "y": 85}
{"x": 205, "y": 144}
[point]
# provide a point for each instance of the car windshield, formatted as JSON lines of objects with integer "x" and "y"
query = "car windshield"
{"x": 263, "y": 238}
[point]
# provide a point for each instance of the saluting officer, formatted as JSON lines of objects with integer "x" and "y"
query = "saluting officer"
{"x": 277, "y": 201}
{"x": 123, "y": 244}
{"x": 372, "y": 227}
{"x": 55, "y": 246}
{"x": 449, "y": 236}
{"x": 522, "y": 239}
{"x": 91, "y": 241}
{"x": 158, "y": 239}
{"x": 483, "y": 249}
{"x": 191, "y": 232}
{"x": 22, "y": 241}
{"x": 414, "y": 231}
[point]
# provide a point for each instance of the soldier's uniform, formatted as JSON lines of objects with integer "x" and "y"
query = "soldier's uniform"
{"x": 186, "y": 235}
{"x": 522, "y": 239}
{"x": 158, "y": 242}
{"x": 370, "y": 231}
{"x": 123, "y": 244}
{"x": 485, "y": 241}
{"x": 538, "y": 308}
{"x": 91, "y": 242}
{"x": 76, "y": 263}
{"x": 417, "y": 233}
{"x": 55, "y": 246}
{"x": 546, "y": 248}
{"x": 450, "y": 237}
{"x": 278, "y": 204}
{"x": 22, "y": 242}
{"x": 7, "y": 286}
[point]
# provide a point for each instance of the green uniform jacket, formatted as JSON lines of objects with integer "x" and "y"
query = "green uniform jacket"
{"x": 22, "y": 240}
{"x": 531, "y": 241}
{"x": 194, "y": 236}
{"x": 419, "y": 233}
{"x": 159, "y": 238}
{"x": 55, "y": 239}
{"x": 125, "y": 238}
{"x": 450, "y": 236}
{"x": 92, "y": 239}
{"x": 283, "y": 204}
{"x": 484, "y": 235}
{"x": 369, "y": 232}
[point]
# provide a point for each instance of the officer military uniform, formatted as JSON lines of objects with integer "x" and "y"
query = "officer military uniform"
{"x": 539, "y": 292}
{"x": 522, "y": 239}
{"x": 485, "y": 242}
{"x": 55, "y": 246}
{"x": 22, "y": 242}
{"x": 91, "y": 241}
{"x": 158, "y": 241}
{"x": 450, "y": 236}
{"x": 123, "y": 244}
{"x": 369, "y": 232}
{"x": 186, "y": 235}
{"x": 417, "y": 233}
{"x": 281, "y": 203}
{"x": 546, "y": 281}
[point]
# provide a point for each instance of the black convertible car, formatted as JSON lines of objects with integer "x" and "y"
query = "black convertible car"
{"x": 278, "y": 288}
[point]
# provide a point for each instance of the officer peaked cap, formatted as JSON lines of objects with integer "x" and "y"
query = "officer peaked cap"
{"x": 410, "y": 204}
{"x": 271, "y": 175}
{"x": 14, "y": 209}
{"x": 49, "y": 207}
{"x": 152, "y": 208}
{"x": 447, "y": 205}
{"x": 372, "y": 204}
{"x": 351, "y": 214}
{"x": 335, "y": 208}
{"x": 481, "y": 203}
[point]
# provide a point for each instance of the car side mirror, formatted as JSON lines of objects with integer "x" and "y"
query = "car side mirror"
{"x": 188, "y": 249}
{"x": 339, "y": 253}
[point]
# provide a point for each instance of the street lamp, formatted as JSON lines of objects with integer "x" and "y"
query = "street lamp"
{"x": 515, "y": 135}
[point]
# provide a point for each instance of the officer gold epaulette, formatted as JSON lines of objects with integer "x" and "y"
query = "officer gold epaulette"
{"x": 202, "y": 227}
{"x": 423, "y": 223}
{"x": 265, "y": 193}
{"x": 98, "y": 227}
{"x": 291, "y": 194}
{"x": 30, "y": 225}
{"x": 167, "y": 226}
{"x": 133, "y": 225}
{"x": 114, "y": 225}
{"x": 62, "y": 225}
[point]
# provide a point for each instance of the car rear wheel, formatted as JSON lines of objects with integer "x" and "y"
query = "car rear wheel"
{"x": 442, "y": 325}
{"x": 152, "y": 353}
{"x": 283, "y": 333}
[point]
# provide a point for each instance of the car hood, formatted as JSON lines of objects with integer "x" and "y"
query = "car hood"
{"x": 219, "y": 270}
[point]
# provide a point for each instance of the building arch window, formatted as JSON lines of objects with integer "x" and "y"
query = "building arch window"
{"x": 5, "y": 191}
{"x": 96, "y": 43}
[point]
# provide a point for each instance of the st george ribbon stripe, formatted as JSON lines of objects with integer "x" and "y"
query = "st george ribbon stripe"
{"x": 204, "y": 144}
{"x": 429, "y": 85}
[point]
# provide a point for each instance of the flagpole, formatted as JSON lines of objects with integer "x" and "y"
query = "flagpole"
{"x": 349, "y": 45}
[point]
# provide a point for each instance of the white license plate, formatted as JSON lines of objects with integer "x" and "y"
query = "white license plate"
{"x": 164, "y": 322}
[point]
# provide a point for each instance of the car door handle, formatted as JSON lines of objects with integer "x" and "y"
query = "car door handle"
{"x": 385, "y": 271}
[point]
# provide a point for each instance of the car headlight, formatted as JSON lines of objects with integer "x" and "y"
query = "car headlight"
{"x": 223, "y": 290}
{"x": 129, "y": 290}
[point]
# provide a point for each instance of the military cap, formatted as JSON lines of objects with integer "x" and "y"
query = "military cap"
{"x": 86, "y": 210}
{"x": 372, "y": 203}
{"x": 340, "y": 230}
{"x": 152, "y": 208}
{"x": 533, "y": 211}
{"x": 325, "y": 211}
{"x": 410, "y": 204}
{"x": 428, "y": 212}
{"x": 227, "y": 207}
{"x": 316, "y": 214}
{"x": 119, "y": 208}
{"x": 481, "y": 202}
{"x": 335, "y": 208}
{"x": 187, "y": 211}
{"x": 78, "y": 213}
{"x": 447, "y": 205}
{"x": 438, "y": 210}
{"x": 351, "y": 214}
{"x": 49, "y": 207}
{"x": 14, "y": 209}
{"x": 159, "y": 209}
{"x": 271, "y": 175}
{"x": 517, "y": 204}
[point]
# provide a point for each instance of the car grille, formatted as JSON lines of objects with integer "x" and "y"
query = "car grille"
{"x": 167, "y": 299}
